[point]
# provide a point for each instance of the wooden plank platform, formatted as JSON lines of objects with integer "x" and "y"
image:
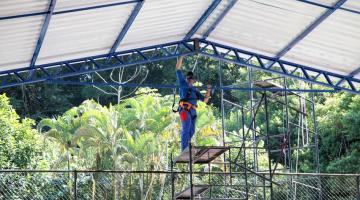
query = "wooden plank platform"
{"x": 201, "y": 155}
{"x": 271, "y": 85}
{"x": 197, "y": 190}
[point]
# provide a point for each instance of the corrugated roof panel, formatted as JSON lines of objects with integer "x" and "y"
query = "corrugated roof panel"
{"x": 62, "y": 5}
{"x": 212, "y": 18}
{"x": 334, "y": 46}
{"x": 352, "y": 4}
{"x": 17, "y": 41}
{"x": 264, "y": 26}
{"x": 325, "y": 2}
{"x": 20, "y": 7}
{"x": 161, "y": 21}
{"x": 81, "y": 34}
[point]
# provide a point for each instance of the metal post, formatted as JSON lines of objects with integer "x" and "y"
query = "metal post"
{"x": 75, "y": 185}
{"x": 244, "y": 149}
{"x": 191, "y": 172}
{"x": 222, "y": 107}
{"x": 222, "y": 118}
{"x": 210, "y": 180}
{"x": 268, "y": 144}
{"x": 252, "y": 125}
{"x": 358, "y": 187}
{"x": 288, "y": 151}
{"x": 288, "y": 138}
{"x": 172, "y": 178}
{"x": 315, "y": 131}
{"x": 317, "y": 159}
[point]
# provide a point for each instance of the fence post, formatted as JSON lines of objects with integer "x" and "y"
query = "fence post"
{"x": 358, "y": 187}
{"x": 75, "y": 185}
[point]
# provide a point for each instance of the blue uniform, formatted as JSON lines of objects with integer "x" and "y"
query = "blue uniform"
{"x": 188, "y": 118}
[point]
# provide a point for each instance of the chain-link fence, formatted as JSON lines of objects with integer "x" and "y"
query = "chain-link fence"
{"x": 314, "y": 187}
{"x": 90, "y": 185}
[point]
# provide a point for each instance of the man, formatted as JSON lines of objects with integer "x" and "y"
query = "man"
{"x": 189, "y": 96}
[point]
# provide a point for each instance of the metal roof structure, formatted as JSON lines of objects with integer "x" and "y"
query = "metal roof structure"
{"x": 313, "y": 40}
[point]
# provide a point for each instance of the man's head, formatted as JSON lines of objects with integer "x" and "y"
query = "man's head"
{"x": 190, "y": 78}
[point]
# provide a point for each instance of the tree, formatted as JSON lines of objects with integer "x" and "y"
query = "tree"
{"x": 339, "y": 130}
{"x": 19, "y": 146}
{"x": 61, "y": 131}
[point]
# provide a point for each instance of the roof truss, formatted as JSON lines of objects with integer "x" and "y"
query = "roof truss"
{"x": 57, "y": 70}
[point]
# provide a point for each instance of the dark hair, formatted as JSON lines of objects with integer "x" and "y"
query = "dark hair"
{"x": 189, "y": 75}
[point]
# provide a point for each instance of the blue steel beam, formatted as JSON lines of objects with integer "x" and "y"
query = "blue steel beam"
{"x": 86, "y": 65}
{"x": 202, "y": 19}
{"x": 168, "y": 86}
{"x": 43, "y": 32}
{"x": 284, "y": 68}
{"x": 126, "y": 27}
{"x": 239, "y": 57}
{"x": 310, "y": 28}
{"x": 220, "y": 18}
{"x": 70, "y": 10}
{"x": 329, "y": 7}
{"x": 135, "y": 1}
{"x": 352, "y": 74}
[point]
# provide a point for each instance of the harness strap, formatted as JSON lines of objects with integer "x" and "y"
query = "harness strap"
{"x": 186, "y": 105}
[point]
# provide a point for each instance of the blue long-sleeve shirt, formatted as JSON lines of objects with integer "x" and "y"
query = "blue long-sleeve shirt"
{"x": 190, "y": 94}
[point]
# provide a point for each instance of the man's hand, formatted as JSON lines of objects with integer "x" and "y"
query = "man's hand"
{"x": 208, "y": 93}
{"x": 179, "y": 62}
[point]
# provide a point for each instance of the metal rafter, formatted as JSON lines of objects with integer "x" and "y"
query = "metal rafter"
{"x": 43, "y": 33}
{"x": 127, "y": 26}
{"x": 202, "y": 19}
{"x": 328, "y": 7}
{"x": 277, "y": 66}
{"x": 168, "y": 86}
{"x": 351, "y": 75}
{"x": 103, "y": 62}
{"x": 70, "y": 10}
{"x": 220, "y": 18}
{"x": 310, "y": 28}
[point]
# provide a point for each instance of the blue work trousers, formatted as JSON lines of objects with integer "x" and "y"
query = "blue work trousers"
{"x": 187, "y": 118}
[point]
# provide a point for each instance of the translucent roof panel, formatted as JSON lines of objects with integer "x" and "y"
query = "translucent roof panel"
{"x": 18, "y": 38}
{"x": 352, "y": 4}
{"x": 212, "y": 18}
{"x": 21, "y": 7}
{"x": 333, "y": 46}
{"x": 161, "y": 21}
{"x": 325, "y": 2}
{"x": 80, "y": 34}
{"x": 62, "y": 5}
{"x": 264, "y": 26}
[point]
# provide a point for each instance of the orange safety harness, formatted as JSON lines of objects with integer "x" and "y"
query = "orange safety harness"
{"x": 183, "y": 103}
{"x": 186, "y": 105}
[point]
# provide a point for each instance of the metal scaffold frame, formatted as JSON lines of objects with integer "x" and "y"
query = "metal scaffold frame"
{"x": 243, "y": 155}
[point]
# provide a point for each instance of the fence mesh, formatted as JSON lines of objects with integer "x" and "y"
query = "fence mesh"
{"x": 156, "y": 186}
